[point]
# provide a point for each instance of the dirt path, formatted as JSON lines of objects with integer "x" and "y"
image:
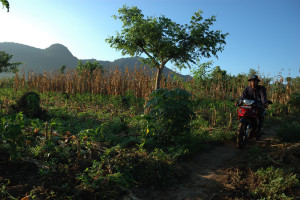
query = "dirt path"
{"x": 208, "y": 174}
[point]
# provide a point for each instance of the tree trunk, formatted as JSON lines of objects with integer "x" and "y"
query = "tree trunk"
{"x": 158, "y": 77}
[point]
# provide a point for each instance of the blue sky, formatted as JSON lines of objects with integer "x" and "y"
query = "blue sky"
{"x": 263, "y": 34}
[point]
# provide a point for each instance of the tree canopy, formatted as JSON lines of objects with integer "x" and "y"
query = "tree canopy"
{"x": 5, "y": 65}
{"x": 90, "y": 67}
{"x": 5, "y": 4}
{"x": 163, "y": 40}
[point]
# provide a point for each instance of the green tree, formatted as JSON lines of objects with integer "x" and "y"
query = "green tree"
{"x": 218, "y": 74}
{"x": 5, "y": 65}
{"x": 88, "y": 66}
{"x": 163, "y": 40}
{"x": 252, "y": 72}
{"x": 296, "y": 83}
{"x": 5, "y": 4}
{"x": 200, "y": 73}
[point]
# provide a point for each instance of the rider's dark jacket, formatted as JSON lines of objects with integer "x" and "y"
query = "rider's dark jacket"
{"x": 258, "y": 93}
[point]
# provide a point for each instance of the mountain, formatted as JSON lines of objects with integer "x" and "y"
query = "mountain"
{"x": 53, "y": 57}
{"x": 40, "y": 60}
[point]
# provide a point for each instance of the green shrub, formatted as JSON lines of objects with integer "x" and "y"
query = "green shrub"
{"x": 104, "y": 182}
{"x": 289, "y": 131}
{"x": 11, "y": 133}
{"x": 274, "y": 183}
{"x": 295, "y": 102}
{"x": 7, "y": 82}
{"x": 171, "y": 112}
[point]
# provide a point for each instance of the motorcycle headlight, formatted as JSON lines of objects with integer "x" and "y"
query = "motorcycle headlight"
{"x": 248, "y": 102}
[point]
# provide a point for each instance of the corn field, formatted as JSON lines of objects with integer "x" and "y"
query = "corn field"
{"x": 141, "y": 83}
{"x": 109, "y": 82}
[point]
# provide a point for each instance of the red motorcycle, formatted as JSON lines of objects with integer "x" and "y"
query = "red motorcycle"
{"x": 248, "y": 120}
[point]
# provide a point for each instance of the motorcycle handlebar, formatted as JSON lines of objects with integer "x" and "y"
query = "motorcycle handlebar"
{"x": 240, "y": 102}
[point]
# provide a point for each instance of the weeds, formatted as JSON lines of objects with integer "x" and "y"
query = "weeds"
{"x": 12, "y": 133}
{"x": 289, "y": 131}
{"x": 274, "y": 183}
{"x": 4, "y": 194}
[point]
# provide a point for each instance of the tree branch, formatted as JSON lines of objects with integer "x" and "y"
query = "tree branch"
{"x": 151, "y": 57}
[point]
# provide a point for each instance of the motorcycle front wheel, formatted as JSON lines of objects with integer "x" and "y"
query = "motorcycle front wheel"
{"x": 242, "y": 133}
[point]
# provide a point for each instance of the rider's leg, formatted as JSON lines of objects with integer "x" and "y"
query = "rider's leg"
{"x": 261, "y": 117}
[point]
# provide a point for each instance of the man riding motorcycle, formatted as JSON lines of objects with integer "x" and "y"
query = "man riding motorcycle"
{"x": 256, "y": 92}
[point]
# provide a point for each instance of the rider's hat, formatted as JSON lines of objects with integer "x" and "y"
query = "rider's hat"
{"x": 253, "y": 78}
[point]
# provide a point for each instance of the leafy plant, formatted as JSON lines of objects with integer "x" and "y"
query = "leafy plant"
{"x": 171, "y": 112}
{"x": 289, "y": 131}
{"x": 295, "y": 102}
{"x": 274, "y": 183}
{"x": 11, "y": 133}
{"x": 98, "y": 177}
{"x": 4, "y": 194}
